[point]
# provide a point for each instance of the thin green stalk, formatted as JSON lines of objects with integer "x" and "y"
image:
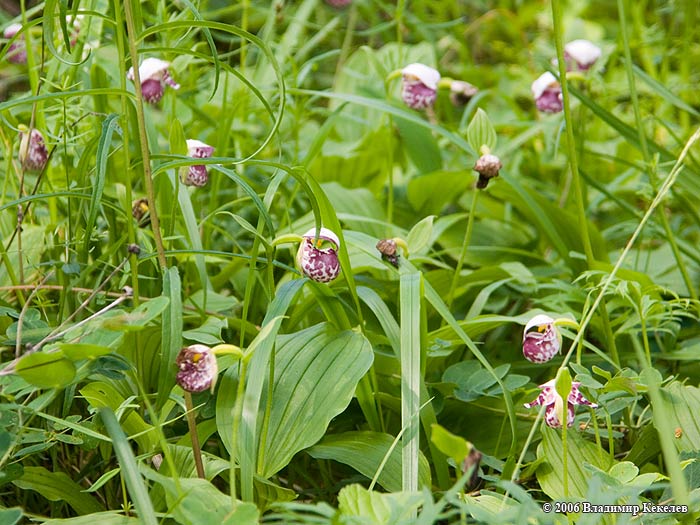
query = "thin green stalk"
{"x": 645, "y": 149}
{"x": 143, "y": 136}
{"x": 237, "y": 415}
{"x": 463, "y": 253}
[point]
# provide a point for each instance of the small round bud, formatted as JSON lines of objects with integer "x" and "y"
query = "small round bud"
{"x": 134, "y": 249}
{"x": 387, "y": 247}
{"x": 487, "y": 167}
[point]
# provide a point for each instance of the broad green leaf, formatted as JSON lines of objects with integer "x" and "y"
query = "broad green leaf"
{"x": 11, "y": 516}
{"x": 209, "y": 333}
{"x": 139, "y": 317}
{"x": 681, "y": 406}
{"x": 78, "y": 351}
{"x": 101, "y": 394}
{"x": 374, "y": 508}
{"x": 430, "y": 193}
{"x": 480, "y": 132}
{"x": 57, "y": 486}
{"x": 197, "y": 502}
{"x": 316, "y": 373}
{"x": 364, "y": 451}
{"x": 46, "y": 370}
{"x": 420, "y": 146}
{"x": 101, "y": 518}
{"x": 550, "y": 475}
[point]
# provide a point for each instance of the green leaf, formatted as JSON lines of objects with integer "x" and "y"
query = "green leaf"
{"x": 57, "y": 486}
{"x": 171, "y": 334}
{"x": 374, "y": 508}
{"x": 197, "y": 502}
{"x": 130, "y": 473}
{"x": 316, "y": 373}
{"x": 46, "y": 370}
{"x": 11, "y": 516}
{"x": 418, "y": 239}
{"x": 681, "y": 405}
{"x": 78, "y": 351}
{"x": 209, "y": 333}
{"x": 364, "y": 451}
{"x": 550, "y": 475}
{"x": 480, "y": 132}
{"x": 178, "y": 143}
{"x": 420, "y": 145}
{"x": 103, "y": 518}
{"x": 429, "y": 194}
{"x": 451, "y": 445}
{"x": 138, "y": 318}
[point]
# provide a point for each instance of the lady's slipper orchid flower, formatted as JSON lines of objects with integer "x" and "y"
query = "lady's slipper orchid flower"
{"x": 550, "y": 398}
{"x": 547, "y": 93}
{"x": 197, "y": 368}
{"x": 32, "y": 149}
{"x": 461, "y": 92}
{"x": 197, "y": 175}
{"x": 420, "y": 83}
{"x": 153, "y": 74}
{"x": 315, "y": 262}
{"x": 541, "y": 339}
{"x": 17, "y": 52}
{"x": 584, "y": 52}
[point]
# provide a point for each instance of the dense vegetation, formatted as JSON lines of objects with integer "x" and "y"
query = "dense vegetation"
{"x": 349, "y": 262}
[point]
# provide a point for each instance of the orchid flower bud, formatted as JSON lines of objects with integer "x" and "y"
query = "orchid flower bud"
{"x": 197, "y": 368}
{"x": 550, "y": 398}
{"x": 419, "y": 88}
{"x": 17, "y": 52}
{"x": 461, "y": 92}
{"x": 314, "y": 261}
{"x": 197, "y": 175}
{"x": 487, "y": 167}
{"x": 584, "y": 52}
{"x": 153, "y": 74}
{"x": 32, "y": 149}
{"x": 547, "y": 93}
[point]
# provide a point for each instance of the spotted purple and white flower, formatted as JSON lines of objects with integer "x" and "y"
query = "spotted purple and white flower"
{"x": 583, "y": 52}
{"x": 550, "y": 398}
{"x": 316, "y": 262}
{"x": 546, "y": 91}
{"x": 32, "y": 149}
{"x": 419, "y": 87}
{"x": 197, "y": 368}
{"x": 17, "y": 52}
{"x": 154, "y": 76}
{"x": 197, "y": 175}
{"x": 541, "y": 339}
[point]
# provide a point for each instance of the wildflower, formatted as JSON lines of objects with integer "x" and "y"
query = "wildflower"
{"x": 315, "y": 262}
{"x": 153, "y": 74}
{"x": 197, "y": 175}
{"x": 197, "y": 368}
{"x": 487, "y": 167}
{"x": 461, "y": 92}
{"x": 550, "y": 398}
{"x": 542, "y": 344}
{"x": 547, "y": 93}
{"x": 17, "y": 52}
{"x": 32, "y": 150}
{"x": 584, "y": 52}
{"x": 420, "y": 83}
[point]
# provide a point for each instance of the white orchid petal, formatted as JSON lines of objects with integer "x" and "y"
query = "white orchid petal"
{"x": 425, "y": 74}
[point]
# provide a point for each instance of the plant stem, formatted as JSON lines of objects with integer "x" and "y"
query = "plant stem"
{"x": 143, "y": 137}
{"x": 192, "y": 427}
{"x": 463, "y": 253}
